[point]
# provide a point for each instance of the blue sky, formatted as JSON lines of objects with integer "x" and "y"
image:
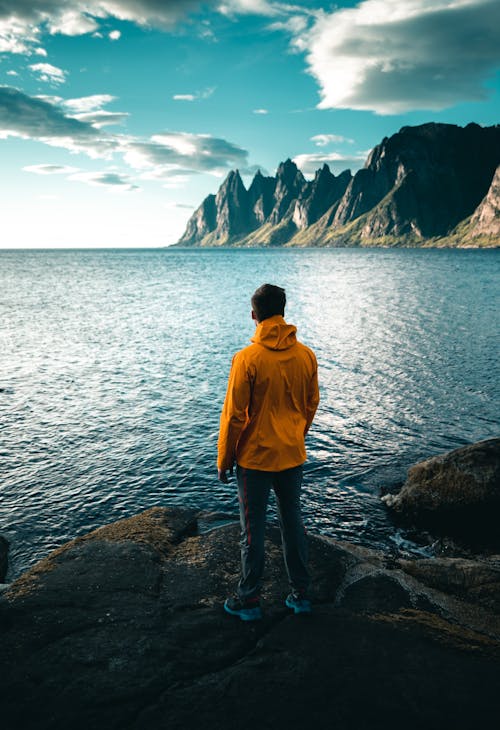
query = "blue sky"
{"x": 117, "y": 117}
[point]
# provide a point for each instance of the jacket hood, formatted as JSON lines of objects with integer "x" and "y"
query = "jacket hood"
{"x": 275, "y": 334}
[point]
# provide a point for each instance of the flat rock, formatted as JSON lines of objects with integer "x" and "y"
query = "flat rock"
{"x": 124, "y": 628}
{"x": 456, "y": 493}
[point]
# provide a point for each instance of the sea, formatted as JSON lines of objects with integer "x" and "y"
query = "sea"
{"x": 114, "y": 365}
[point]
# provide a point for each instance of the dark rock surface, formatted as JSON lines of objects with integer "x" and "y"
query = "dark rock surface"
{"x": 457, "y": 493}
{"x": 426, "y": 183}
{"x": 124, "y": 628}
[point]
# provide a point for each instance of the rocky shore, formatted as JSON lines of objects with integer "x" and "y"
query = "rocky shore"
{"x": 124, "y": 628}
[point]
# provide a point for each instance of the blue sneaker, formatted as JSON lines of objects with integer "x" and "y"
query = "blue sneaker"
{"x": 299, "y": 603}
{"x": 249, "y": 610}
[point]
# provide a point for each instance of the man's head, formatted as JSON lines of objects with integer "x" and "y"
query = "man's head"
{"x": 267, "y": 301}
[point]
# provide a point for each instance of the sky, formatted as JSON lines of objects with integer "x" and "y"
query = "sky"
{"x": 117, "y": 117}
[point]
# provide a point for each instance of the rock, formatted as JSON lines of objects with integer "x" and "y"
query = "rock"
{"x": 474, "y": 580}
{"x": 457, "y": 492}
{"x": 486, "y": 219}
{"x": 124, "y": 628}
{"x": 289, "y": 185}
{"x": 201, "y": 223}
{"x": 4, "y": 558}
{"x": 319, "y": 195}
{"x": 261, "y": 196}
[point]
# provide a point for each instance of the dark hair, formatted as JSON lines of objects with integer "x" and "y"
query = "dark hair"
{"x": 268, "y": 300}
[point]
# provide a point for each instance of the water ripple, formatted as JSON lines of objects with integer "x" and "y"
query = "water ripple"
{"x": 113, "y": 367}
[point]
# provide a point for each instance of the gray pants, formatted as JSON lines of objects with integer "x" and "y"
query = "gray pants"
{"x": 253, "y": 493}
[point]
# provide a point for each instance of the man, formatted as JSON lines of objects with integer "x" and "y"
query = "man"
{"x": 271, "y": 399}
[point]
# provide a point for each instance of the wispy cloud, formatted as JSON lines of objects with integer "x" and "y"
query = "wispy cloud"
{"x": 56, "y": 122}
{"x": 394, "y": 56}
{"x": 48, "y": 72}
{"x": 111, "y": 180}
{"x": 51, "y": 169}
{"x": 174, "y": 151}
{"x": 205, "y": 94}
{"x": 261, "y": 111}
{"x": 87, "y": 103}
{"x": 322, "y": 140}
{"x": 309, "y": 163}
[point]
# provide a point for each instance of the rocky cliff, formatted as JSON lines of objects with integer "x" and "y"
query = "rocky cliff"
{"x": 434, "y": 183}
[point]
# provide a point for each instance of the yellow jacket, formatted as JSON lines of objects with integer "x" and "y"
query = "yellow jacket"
{"x": 271, "y": 399}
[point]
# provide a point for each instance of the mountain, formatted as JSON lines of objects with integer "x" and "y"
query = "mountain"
{"x": 434, "y": 184}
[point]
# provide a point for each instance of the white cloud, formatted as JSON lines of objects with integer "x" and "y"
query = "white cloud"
{"x": 163, "y": 155}
{"x": 392, "y": 56}
{"x": 44, "y": 120}
{"x": 48, "y": 72}
{"x": 101, "y": 118}
{"x": 261, "y": 111}
{"x": 22, "y": 21}
{"x": 12, "y": 73}
{"x": 205, "y": 94}
{"x": 171, "y": 152}
{"x": 87, "y": 103}
{"x": 40, "y": 52}
{"x": 70, "y": 22}
{"x": 115, "y": 35}
{"x": 309, "y": 163}
{"x": 171, "y": 204}
{"x": 111, "y": 180}
{"x": 50, "y": 169}
{"x": 322, "y": 140}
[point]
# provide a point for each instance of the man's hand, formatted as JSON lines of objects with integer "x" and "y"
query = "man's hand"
{"x": 224, "y": 474}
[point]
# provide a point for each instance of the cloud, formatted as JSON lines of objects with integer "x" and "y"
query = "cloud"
{"x": 205, "y": 94}
{"x": 393, "y": 56}
{"x": 173, "y": 151}
{"x": 51, "y": 169}
{"x": 172, "y": 204}
{"x": 48, "y": 72}
{"x": 12, "y": 73}
{"x": 102, "y": 118}
{"x": 322, "y": 140}
{"x": 309, "y": 163}
{"x": 40, "y": 52}
{"x": 260, "y": 111}
{"x": 55, "y": 122}
{"x": 43, "y": 120}
{"x": 112, "y": 180}
{"x": 22, "y": 21}
{"x": 87, "y": 103}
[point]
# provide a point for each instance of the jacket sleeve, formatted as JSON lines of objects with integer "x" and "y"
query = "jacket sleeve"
{"x": 312, "y": 398}
{"x": 234, "y": 416}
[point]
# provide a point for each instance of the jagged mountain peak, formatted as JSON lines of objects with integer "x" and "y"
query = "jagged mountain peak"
{"x": 417, "y": 184}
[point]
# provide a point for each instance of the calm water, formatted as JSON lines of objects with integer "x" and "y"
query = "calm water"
{"x": 113, "y": 368}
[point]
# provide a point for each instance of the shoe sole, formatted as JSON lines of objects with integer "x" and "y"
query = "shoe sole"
{"x": 298, "y": 609}
{"x": 246, "y": 614}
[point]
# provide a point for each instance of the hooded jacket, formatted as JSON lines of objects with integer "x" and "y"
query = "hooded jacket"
{"x": 271, "y": 399}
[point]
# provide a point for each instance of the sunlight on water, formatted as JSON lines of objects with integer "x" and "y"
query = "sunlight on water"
{"x": 113, "y": 368}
